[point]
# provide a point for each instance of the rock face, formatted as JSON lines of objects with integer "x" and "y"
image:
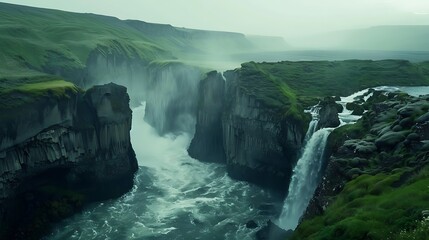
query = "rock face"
{"x": 207, "y": 144}
{"x": 81, "y": 140}
{"x": 170, "y": 89}
{"x": 328, "y": 114}
{"x": 372, "y": 146}
{"x": 260, "y": 145}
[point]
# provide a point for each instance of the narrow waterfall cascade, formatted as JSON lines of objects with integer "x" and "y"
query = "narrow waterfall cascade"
{"x": 314, "y": 111}
{"x": 305, "y": 174}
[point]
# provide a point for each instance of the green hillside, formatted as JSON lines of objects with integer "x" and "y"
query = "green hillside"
{"x": 32, "y": 38}
{"x": 289, "y": 87}
{"x": 309, "y": 80}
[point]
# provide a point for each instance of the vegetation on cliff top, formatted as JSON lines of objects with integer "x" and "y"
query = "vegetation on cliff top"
{"x": 316, "y": 79}
{"x": 20, "y": 91}
{"x": 290, "y": 87}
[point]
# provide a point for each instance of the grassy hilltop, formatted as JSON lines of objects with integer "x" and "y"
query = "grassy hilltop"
{"x": 290, "y": 87}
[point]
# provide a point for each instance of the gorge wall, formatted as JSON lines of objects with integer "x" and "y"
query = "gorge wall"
{"x": 63, "y": 150}
{"x": 261, "y": 146}
{"x": 234, "y": 128}
{"x": 207, "y": 144}
{"x": 256, "y": 142}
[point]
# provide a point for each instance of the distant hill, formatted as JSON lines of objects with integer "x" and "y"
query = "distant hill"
{"x": 381, "y": 38}
{"x": 30, "y": 38}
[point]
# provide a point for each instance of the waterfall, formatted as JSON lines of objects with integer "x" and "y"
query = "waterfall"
{"x": 305, "y": 174}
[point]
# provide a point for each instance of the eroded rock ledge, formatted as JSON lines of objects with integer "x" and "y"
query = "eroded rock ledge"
{"x": 60, "y": 152}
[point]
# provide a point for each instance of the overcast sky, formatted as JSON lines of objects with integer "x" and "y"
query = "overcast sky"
{"x": 262, "y": 17}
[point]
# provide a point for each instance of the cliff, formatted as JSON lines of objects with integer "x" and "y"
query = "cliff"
{"x": 261, "y": 144}
{"x": 62, "y": 151}
{"x": 207, "y": 144}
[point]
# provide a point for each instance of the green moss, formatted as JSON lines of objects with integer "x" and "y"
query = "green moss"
{"x": 370, "y": 207}
{"x": 421, "y": 232}
{"x": 271, "y": 91}
{"x": 21, "y": 91}
{"x": 343, "y": 133}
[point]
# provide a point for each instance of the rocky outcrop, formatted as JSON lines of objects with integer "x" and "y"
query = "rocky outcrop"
{"x": 79, "y": 142}
{"x": 260, "y": 145}
{"x": 207, "y": 144}
{"x": 373, "y": 145}
{"x": 328, "y": 113}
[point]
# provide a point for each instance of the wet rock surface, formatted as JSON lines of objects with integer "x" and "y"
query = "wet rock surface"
{"x": 80, "y": 151}
{"x": 390, "y": 135}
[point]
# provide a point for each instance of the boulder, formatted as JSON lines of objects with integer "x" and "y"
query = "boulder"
{"x": 390, "y": 139}
{"x": 328, "y": 114}
{"x": 356, "y": 108}
{"x": 273, "y": 232}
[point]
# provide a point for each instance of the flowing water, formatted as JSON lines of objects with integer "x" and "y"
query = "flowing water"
{"x": 306, "y": 174}
{"x": 174, "y": 197}
{"x": 177, "y": 197}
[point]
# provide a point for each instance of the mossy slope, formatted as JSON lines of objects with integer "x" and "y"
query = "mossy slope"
{"x": 383, "y": 160}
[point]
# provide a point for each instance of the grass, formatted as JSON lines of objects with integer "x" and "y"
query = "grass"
{"x": 36, "y": 38}
{"x": 316, "y": 79}
{"x": 289, "y": 87}
{"x": 270, "y": 91}
{"x": 17, "y": 92}
{"x": 371, "y": 207}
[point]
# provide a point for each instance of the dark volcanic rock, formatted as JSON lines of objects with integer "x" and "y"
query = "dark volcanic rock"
{"x": 260, "y": 145}
{"x": 71, "y": 150}
{"x": 423, "y": 130}
{"x": 251, "y": 224}
{"x": 328, "y": 114}
{"x": 390, "y": 139}
{"x": 273, "y": 232}
{"x": 356, "y": 108}
{"x": 207, "y": 144}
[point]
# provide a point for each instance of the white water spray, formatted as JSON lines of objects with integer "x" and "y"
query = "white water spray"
{"x": 305, "y": 174}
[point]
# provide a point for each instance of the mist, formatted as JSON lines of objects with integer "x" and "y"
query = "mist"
{"x": 290, "y": 19}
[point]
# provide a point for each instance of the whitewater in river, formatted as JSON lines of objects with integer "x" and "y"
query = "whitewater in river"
{"x": 174, "y": 197}
{"x": 177, "y": 197}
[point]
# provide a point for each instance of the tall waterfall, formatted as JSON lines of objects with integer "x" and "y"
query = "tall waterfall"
{"x": 305, "y": 174}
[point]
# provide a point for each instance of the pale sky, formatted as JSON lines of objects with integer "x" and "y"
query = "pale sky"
{"x": 285, "y": 18}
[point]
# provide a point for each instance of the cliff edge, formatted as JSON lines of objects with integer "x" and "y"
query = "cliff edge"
{"x": 60, "y": 151}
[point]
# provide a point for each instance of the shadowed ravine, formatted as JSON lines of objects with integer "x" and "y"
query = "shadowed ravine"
{"x": 174, "y": 197}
